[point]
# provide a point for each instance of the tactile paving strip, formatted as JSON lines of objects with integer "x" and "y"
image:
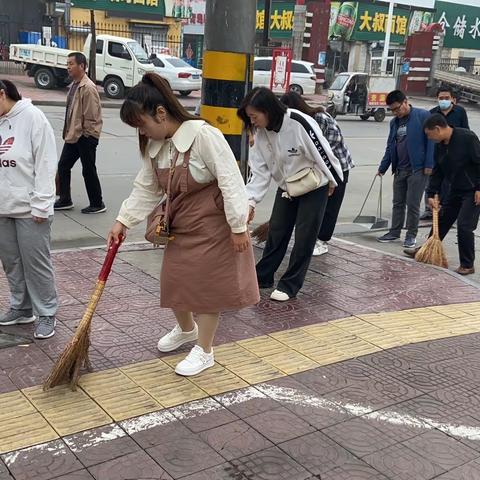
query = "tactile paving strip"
{"x": 21, "y": 424}
{"x": 35, "y": 416}
{"x": 159, "y": 380}
{"x": 66, "y": 411}
{"x": 118, "y": 395}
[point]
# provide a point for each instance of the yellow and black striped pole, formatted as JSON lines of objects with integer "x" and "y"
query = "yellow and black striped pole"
{"x": 228, "y": 68}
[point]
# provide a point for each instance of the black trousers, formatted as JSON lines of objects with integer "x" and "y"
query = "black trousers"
{"x": 460, "y": 206}
{"x": 85, "y": 149}
{"x": 333, "y": 209}
{"x": 305, "y": 213}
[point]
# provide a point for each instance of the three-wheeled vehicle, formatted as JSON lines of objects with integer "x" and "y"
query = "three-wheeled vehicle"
{"x": 359, "y": 94}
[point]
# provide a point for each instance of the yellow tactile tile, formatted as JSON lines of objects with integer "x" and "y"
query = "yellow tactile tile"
{"x": 173, "y": 390}
{"x": 291, "y": 362}
{"x": 217, "y": 380}
{"x": 14, "y": 404}
{"x": 356, "y": 347}
{"x": 118, "y": 395}
{"x": 382, "y": 339}
{"x": 66, "y": 411}
{"x": 449, "y": 311}
{"x": 24, "y": 431}
{"x": 326, "y": 333}
{"x": 245, "y": 364}
{"x": 231, "y": 353}
{"x": 146, "y": 374}
{"x": 295, "y": 338}
{"x": 161, "y": 382}
{"x": 263, "y": 346}
{"x": 255, "y": 371}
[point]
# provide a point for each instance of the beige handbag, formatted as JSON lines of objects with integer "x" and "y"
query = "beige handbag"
{"x": 304, "y": 181}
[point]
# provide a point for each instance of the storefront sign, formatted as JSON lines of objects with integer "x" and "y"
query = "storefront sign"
{"x": 281, "y": 18}
{"x": 368, "y": 22}
{"x": 461, "y": 25}
{"x": 165, "y": 8}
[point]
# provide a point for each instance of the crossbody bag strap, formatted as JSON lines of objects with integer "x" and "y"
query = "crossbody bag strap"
{"x": 169, "y": 187}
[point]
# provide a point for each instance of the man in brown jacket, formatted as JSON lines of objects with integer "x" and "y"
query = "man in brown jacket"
{"x": 81, "y": 131}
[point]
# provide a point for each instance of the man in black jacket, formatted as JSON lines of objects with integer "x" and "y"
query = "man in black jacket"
{"x": 456, "y": 116}
{"x": 457, "y": 160}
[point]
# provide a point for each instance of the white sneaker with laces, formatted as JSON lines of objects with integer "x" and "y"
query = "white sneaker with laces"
{"x": 195, "y": 362}
{"x": 279, "y": 296}
{"x": 176, "y": 338}
{"x": 320, "y": 248}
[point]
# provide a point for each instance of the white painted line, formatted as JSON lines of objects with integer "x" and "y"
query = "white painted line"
{"x": 91, "y": 438}
{"x": 55, "y": 448}
{"x": 420, "y": 69}
{"x": 146, "y": 422}
{"x": 196, "y": 409}
{"x": 240, "y": 396}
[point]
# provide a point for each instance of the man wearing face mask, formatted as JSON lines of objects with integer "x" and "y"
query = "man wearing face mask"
{"x": 456, "y": 117}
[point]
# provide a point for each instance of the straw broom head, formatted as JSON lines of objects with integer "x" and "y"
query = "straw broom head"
{"x": 260, "y": 234}
{"x": 75, "y": 355}
{"x": 432, "y": 251}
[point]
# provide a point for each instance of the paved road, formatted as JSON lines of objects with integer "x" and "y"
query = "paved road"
{"x": 118, "y": 162}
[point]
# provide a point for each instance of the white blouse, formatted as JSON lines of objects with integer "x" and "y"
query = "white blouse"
{"x": 210, "y": 159}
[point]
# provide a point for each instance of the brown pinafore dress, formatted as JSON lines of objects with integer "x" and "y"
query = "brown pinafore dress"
{"x": 201, "y": 272}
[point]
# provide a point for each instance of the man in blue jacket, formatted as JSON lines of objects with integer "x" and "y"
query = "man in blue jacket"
{"x": 410, "y": 154}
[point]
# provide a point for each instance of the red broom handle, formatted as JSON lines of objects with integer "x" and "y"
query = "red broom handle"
{"x": 108, "y": 262}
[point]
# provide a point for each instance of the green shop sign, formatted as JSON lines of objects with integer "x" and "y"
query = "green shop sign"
{"x": 461, "y": 25}
{"x": 164, "y": 8}
{"x": 281, "y": 18}
{"x": 368, "y": 22}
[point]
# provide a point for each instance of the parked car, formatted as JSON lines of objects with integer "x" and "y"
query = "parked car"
{"x": 120, "y": 63}
{"x": 182, "y": 77}
{"x": 302, "y": 77}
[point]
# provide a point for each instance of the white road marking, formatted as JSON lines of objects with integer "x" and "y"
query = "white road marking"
{"x": 90, "y": 438}
{"x": 263, "y": 391}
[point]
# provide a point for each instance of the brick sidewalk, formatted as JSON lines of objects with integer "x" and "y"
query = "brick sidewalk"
{"x": 399, "y": 411}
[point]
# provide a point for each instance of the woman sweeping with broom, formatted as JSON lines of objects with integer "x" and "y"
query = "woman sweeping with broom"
{"x": 457, "y": 160}
{"x": 208, "y": 265}
{"x": 289, "y": 147}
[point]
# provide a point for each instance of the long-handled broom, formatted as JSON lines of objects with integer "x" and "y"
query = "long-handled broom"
{"x": 432, "y": 251}
{"x": 75, "y": 355}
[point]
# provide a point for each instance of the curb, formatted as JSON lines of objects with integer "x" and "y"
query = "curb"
{"x": 61, "y": 103}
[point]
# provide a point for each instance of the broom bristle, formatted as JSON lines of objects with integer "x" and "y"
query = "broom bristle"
{"x": 433, "y": 253}
{"x": 73, "y": 358}
{"x": 260, "y": 234}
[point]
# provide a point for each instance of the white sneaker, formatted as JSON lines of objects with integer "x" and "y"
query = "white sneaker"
{"x": 279, "y": 296}
{"x": 176, "y": 338}
{"x": 195, "y": 362}
{"x": 320, "y": 248}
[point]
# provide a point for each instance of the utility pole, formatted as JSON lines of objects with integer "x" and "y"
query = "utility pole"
{"x": 92, "y": 64}
{"x": 386, "y": 46}
{"x": 228, "y": 68}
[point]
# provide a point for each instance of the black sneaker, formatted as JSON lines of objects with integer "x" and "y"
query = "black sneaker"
{"x": 102, "y": 208}
{"x": 388, "y": 237}
{"x": 63, "y": 205}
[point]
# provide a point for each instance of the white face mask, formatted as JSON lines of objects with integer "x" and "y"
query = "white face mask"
{"x": 444, "y": 104}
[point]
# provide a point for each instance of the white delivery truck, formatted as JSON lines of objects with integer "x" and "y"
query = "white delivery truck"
{"x": 120, "y": 63}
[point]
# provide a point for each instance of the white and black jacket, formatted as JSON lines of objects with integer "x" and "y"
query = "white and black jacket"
{"x": 297, "y": 145}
